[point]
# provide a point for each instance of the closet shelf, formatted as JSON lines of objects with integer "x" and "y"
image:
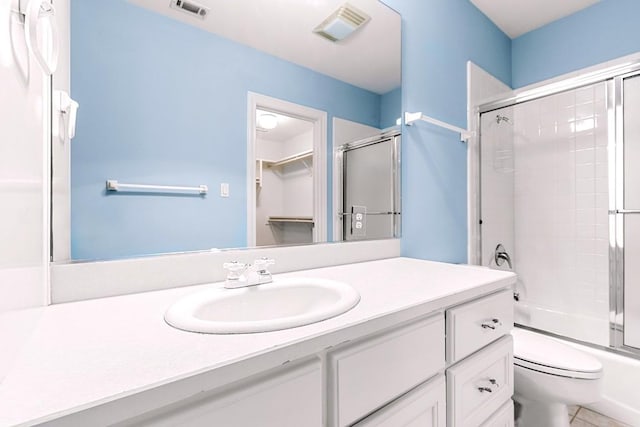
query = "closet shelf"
{"x": 295, "y": 219}
{"x": 290, "y": 159}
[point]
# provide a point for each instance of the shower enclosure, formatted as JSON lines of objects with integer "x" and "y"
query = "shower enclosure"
{"x": 369, "y": 176}
{"x": 560, "y": 191}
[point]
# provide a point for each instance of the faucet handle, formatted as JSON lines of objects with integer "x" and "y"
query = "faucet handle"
{"x": 501, "y": 255}
{"x": 235, "y": 269}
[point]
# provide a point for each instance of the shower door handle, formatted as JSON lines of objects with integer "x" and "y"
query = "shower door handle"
{"x": 626, "y": 211}
{"x": 369, "y": 213}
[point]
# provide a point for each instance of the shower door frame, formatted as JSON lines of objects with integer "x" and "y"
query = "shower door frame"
{"x": 617, "y": 214}
{"x": 613, "y": 77}
{"x": 395, "y": 136}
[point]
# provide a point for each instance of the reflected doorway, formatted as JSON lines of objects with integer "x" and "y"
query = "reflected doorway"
{"x": 284, "y": 179}
{"x": 286, "y": 170}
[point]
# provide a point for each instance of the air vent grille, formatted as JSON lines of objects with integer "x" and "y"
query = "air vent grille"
{"x": 340, "y": 24}
{"x": 190, "y": 7}
{"x": 350, "y": 14}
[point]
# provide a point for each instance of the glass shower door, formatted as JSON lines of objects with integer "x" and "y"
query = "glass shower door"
{"x": 628, "y": 212}
{"x": 370, "y": 205}
{"x": 545, "y": 197}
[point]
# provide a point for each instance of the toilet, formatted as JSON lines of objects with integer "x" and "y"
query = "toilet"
{"x": 549, "y": 376}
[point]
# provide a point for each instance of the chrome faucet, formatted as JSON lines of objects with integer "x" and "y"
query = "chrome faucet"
{"x": 241, "y": 275}
{"x": 501, "y": 256}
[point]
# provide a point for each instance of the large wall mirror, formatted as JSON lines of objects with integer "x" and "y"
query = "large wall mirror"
{"x": 253, "y": 122}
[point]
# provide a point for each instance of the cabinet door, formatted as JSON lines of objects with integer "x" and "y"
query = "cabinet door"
{"x": 288, "y": 397}
{"x": 368, "y": 374}
{"x": 423, "y": 406}
{"x": 503, "y": 417}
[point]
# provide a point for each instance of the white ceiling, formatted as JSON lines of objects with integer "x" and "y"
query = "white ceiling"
{"x": 516, "y": 17}
{"x": 369, "y": 58}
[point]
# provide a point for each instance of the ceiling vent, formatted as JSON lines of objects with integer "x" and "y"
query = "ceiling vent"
{"x": 190, "y": 7}
{"x": 342, "y": 23}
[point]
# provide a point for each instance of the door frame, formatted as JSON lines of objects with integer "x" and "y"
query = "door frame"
{"x": 319, "y": 120}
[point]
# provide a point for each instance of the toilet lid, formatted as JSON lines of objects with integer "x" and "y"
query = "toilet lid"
{"x": 544, "y": 354}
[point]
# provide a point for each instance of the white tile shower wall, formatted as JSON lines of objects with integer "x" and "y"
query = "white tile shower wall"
{"x": 497, "y": 177}
{"x": 481, "y": 88}
{"x": 561, "y": 210}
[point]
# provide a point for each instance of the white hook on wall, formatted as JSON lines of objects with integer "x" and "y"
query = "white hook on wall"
{"x": 69, "y": 108}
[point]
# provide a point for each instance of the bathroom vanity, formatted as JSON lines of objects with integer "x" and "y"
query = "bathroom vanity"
{"x": 428, "y": 344}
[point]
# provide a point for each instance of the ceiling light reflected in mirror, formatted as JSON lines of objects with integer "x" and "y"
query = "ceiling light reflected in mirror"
{"x": 267, "y": 121}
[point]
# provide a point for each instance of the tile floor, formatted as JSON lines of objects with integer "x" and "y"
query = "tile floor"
{"x": 583, "y": 417}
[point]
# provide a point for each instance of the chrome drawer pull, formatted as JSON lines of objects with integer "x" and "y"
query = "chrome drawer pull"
{"x": 483, "y": 389}
{"x": 494, "y": 382}
{"x": 487, "y": 325}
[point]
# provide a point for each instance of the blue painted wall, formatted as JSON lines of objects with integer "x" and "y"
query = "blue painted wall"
{"x": 602, "y": 32}
{"x": 439, "y": 37}
{"x": 390, "y": 108}
{"x": 177, "y": 116}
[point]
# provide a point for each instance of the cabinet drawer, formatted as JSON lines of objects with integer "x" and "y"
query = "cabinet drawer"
{"x": 479, "y": 385}
{"x": 366, "y": 375}
{"x": 503, "y": 417}
{"x": 473, "y": 325}
{"x": 423, "y": 406}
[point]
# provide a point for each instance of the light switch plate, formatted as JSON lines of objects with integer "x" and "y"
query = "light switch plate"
{"x": 224, "y": 189}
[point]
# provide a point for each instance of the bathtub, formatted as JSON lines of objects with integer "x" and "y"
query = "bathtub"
{"x": 621, "y": 394}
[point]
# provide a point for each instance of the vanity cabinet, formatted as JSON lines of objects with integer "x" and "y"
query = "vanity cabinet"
{"x": 288, "y": 396}
{"x": 480, "y": 362}
{"x": 364, "y": 376}
{"x": 451, "y": 366}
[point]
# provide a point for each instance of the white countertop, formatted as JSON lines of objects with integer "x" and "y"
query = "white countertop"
{"x": 83, "y": 354}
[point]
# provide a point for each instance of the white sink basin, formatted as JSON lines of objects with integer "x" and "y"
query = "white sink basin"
{"x": 282, "y": 304}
